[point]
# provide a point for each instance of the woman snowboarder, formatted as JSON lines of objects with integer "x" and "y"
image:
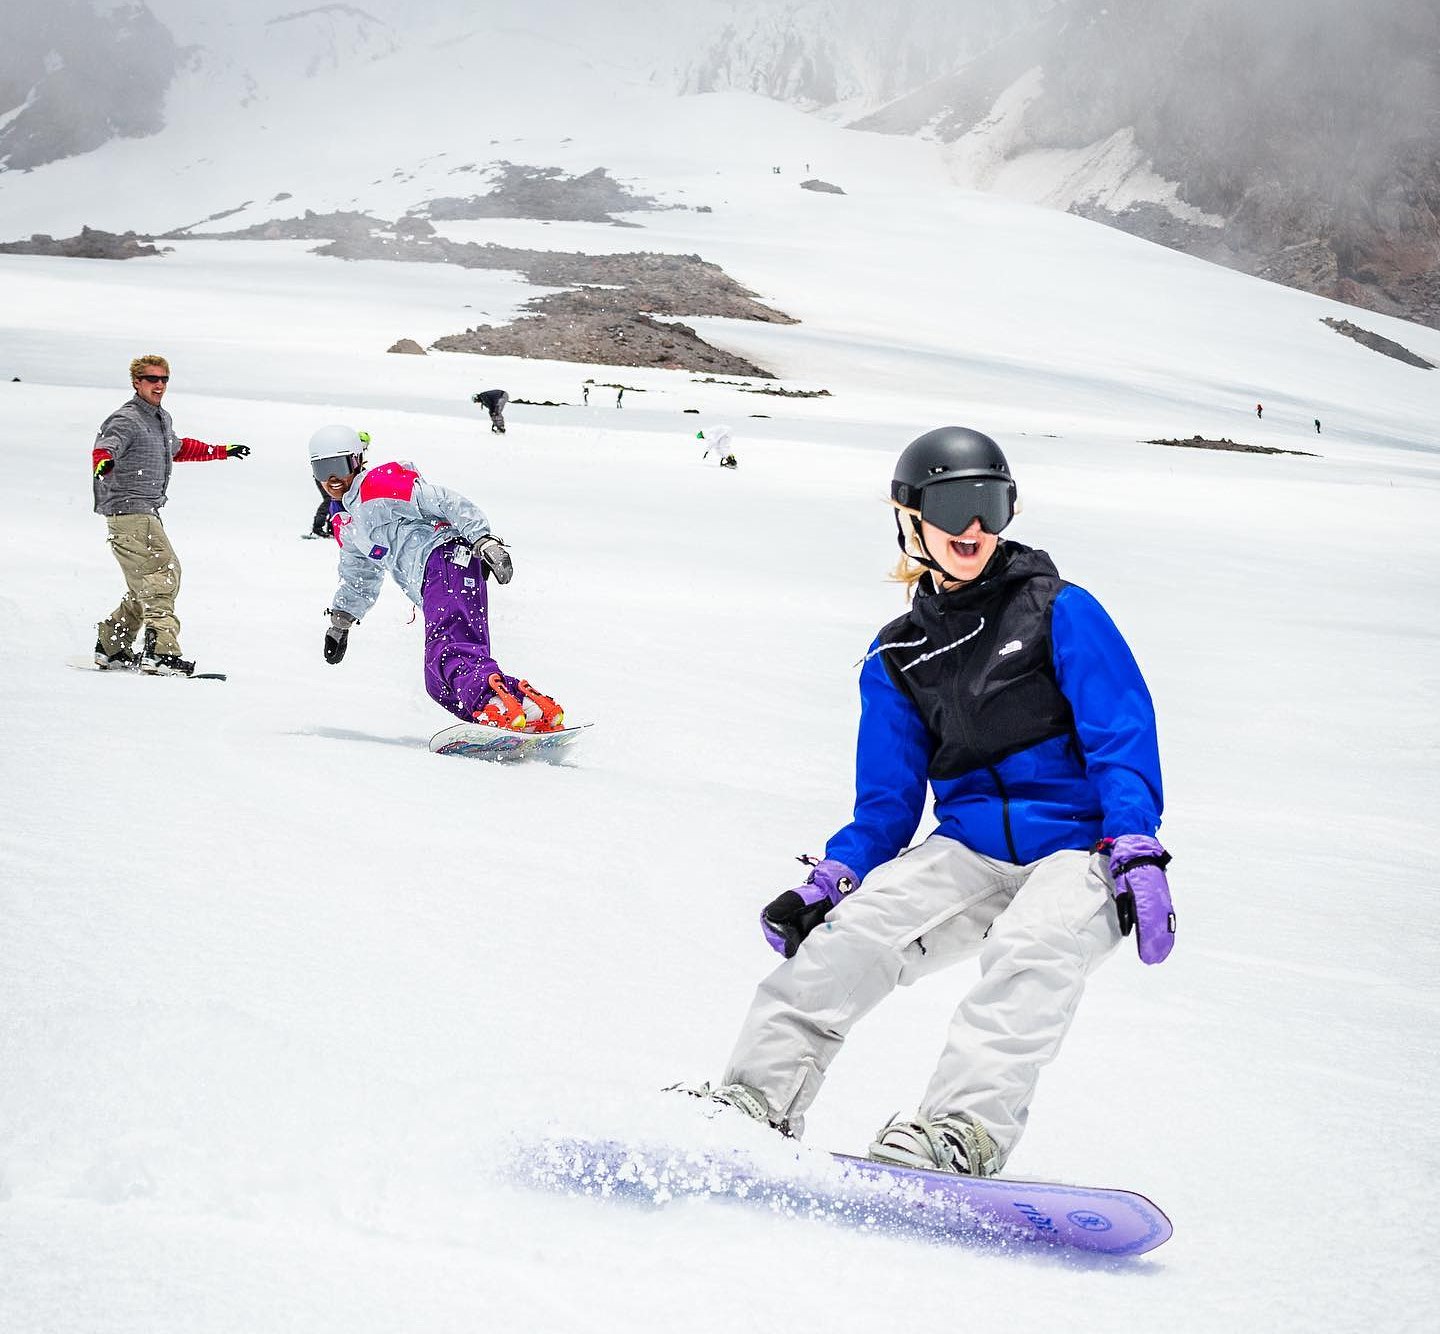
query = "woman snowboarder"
{"x": 1013, "y": 696}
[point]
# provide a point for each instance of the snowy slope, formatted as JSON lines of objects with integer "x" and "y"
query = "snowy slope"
{"x": 279, "y": 986}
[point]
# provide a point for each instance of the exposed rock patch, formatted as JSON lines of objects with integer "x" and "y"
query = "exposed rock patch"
{"x": 89, "y": 244}
{"x": 338, "y": 226}
{"x": 1378, "y": 344}
{"x": 1200, "y": 442}
{"x": 543, "y": 193}
{"x": 408, "y": 346}
{"x": 824, "y": 187}
{"x": 606, "y": 315}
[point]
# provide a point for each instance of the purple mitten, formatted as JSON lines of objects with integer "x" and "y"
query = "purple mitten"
{"x": 1142, "y": 894}
{"x": 797, "y": 912}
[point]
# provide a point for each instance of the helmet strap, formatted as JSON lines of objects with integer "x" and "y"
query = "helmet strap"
{"x": 925, "y": 558}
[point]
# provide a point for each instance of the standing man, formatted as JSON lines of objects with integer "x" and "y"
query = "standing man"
{"x": 1259, "y": 409}
{"x": 619, "y": 398}
{"x": 131, "y": 467}
{"x": 1317, "y": 425}
{"x": 585, "y": 392}
{"x": 494, "y": 401}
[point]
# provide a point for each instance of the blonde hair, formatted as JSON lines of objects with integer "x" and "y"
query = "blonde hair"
{"x": 907, "y": 570}
{"x": 137, "y": 366}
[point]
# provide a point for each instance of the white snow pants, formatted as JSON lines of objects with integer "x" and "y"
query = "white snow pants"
{"x": 1038, "y": 929}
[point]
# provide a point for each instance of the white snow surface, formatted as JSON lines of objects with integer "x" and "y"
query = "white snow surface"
{"x": 279, "y": 989}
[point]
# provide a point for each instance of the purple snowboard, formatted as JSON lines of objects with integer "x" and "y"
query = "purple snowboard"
{"x": 854, "y": 1191}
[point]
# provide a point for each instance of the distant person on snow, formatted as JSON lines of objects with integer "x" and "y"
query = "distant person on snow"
{"x": 1009, "y": 692}
{"x": 585, "y": 394}
{"x": 130, "y": 464}
{"x": 1259, "y": 409}
{"x": 494, "y": 401}
{"x": 1317, "y": 425}
{"x": 717, "y": 442}
{"x": 620, "y": 396}
{"x": 438, "y": 547}
{"x": 320, "y": 524}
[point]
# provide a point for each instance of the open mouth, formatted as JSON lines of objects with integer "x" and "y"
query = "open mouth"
{"x": 965, "y": 548}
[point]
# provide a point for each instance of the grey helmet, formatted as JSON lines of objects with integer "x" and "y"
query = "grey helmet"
{"x": 337, "y": 451}
{"x": 954, "y": 475}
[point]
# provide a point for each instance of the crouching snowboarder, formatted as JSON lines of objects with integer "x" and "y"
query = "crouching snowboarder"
{"x": 717, "y": 442}
{"x": 1012, "y": 695}
{"x": 438, "y": 547}
{"x": 493, "y": 401}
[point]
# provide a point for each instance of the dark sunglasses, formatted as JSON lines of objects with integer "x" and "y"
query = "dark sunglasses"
{"x": 154, "y": 379}
{"x": 954, "y": 505}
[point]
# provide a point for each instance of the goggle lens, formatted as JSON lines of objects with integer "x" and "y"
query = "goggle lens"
{"x": 954, "y": 505}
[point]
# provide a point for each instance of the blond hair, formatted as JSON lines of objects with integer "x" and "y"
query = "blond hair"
{"x": 137, "y": 366}
{"x": 907, "y": 569}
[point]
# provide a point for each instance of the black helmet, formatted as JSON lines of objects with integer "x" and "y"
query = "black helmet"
{"x": 953, "y": 476}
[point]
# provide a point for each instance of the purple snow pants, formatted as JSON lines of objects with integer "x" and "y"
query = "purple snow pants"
{"x": 457, "y": 635}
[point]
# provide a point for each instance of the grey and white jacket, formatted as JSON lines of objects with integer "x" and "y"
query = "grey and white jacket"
{"x": 392, "y": 519}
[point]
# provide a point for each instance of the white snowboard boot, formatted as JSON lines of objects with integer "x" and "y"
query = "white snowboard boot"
{"x": 946, "y": 1144}
{"x": 739, "y": 1096}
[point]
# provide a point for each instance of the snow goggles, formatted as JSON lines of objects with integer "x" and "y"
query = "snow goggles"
{"x": 953, "y": 505}
{"x": 340, "y": 465}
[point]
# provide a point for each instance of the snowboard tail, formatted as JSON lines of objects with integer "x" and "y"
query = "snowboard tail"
{"x": 856, "y": 1192}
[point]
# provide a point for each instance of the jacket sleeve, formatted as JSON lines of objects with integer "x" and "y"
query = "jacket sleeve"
{"x": 439, "y": 502}
{"x": 1114, "y": 717}
{"x": 361, "y": 579}
{"x": 197, "y": 451}
{"x": 892, "y": 758}
{"x": 113, "y": 439}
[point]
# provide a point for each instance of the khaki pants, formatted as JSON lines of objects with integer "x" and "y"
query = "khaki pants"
{"x": 1039, "y": 930}
{"x": 152, "y": 579}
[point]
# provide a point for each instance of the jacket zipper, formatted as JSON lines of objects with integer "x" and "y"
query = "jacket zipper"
{"x": 1005, "y": 813}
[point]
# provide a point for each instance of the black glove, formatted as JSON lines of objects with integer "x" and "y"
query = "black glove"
{"x": 787, "y": 920}
{"x": 337, "y": 637}
{"x": 495, "y": 556}
{"x": 236, "y": 451}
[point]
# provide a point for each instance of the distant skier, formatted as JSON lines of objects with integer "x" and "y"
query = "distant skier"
{"x": 1259, "y": 409}
{"x": 494, "y": 401}
{"x": 717, "y": 442}
{"x": 1317, "y": 425}
{"x": 438, "y": 547}
{"x": 130, "y": 465}
{"x": 620, "y": 396}
{"x": 1012, "y": 694}
{"x": 585, "y": 393}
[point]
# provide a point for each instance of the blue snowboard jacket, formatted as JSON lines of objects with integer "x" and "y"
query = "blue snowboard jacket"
{"x": 1097, "y": 778}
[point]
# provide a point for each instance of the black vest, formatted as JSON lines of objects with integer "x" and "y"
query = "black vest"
{"x": 977, "y": 662}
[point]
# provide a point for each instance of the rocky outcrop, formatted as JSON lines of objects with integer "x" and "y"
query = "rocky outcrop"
{"x": 823, "y": 187}
{"x": 1376, "y": 343}
{"x": 607, "y": 312}
{"x": 545, "y": 193}
{"x": 89, "y": 244}
{"x": 72, "y": 78}
{"x": 1296, "y": 142}
{"x": 1233, "y": 446}
{"x": 408, "y": 346}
